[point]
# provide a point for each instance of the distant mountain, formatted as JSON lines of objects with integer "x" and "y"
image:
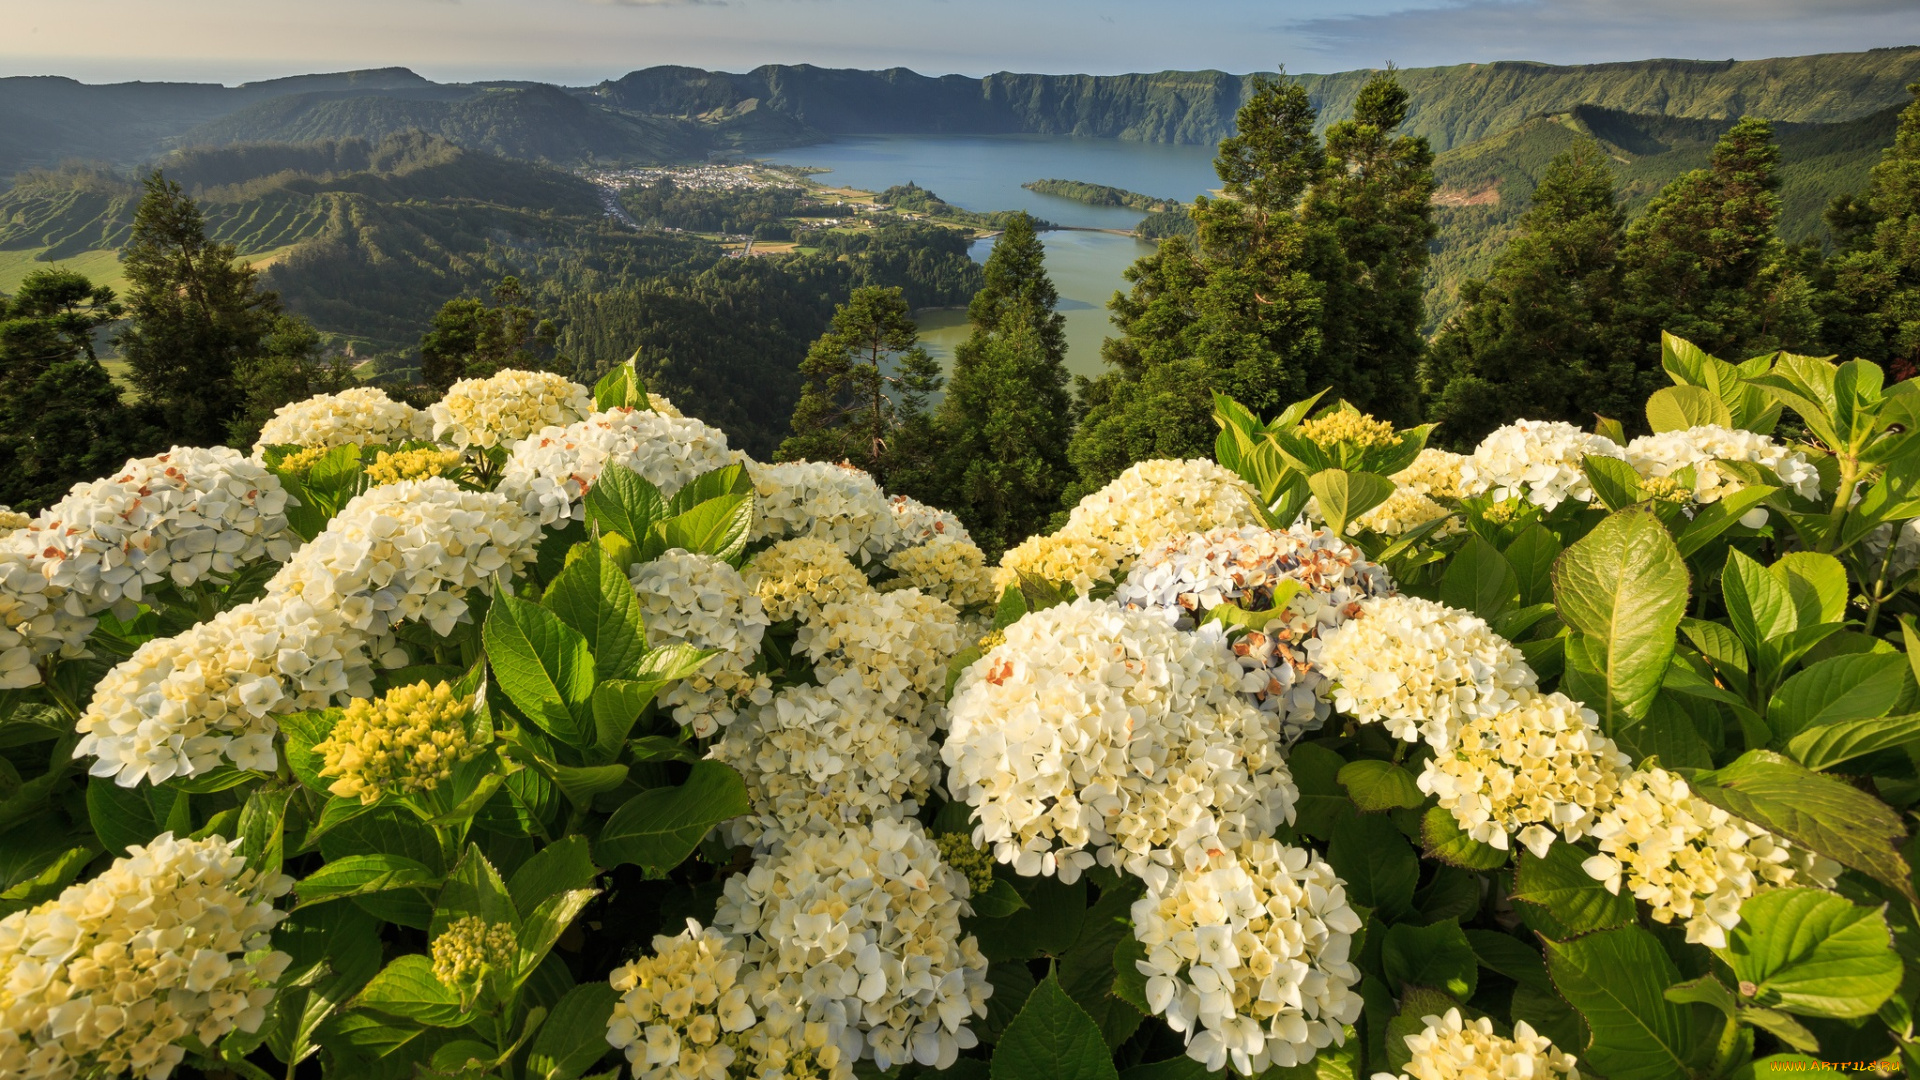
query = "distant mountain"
{"x": 1486, "y": 185}
{"x": 677, "y": 113}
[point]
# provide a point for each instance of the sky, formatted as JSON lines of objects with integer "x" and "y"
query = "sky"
{"x": 580, "y": 42}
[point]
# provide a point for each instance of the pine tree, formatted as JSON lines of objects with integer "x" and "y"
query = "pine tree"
{"x": 1376, "y": 194}
{"x": 197, "y": 314}
{"x": 62, "y": 419}
{"x": 1873, "y": 307}
{"x": 470, "y": 340}
{"x": 864, "y": 399}
{"x": 1241, "y": 311}
{"x": 1004, "y": 424}
{"x": 290, "y": 365}
{"x": 1535, "y": 339}
{"x": 1705, "y": 262}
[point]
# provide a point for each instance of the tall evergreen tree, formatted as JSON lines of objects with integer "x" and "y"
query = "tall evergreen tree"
{"x": 1536, "y": 338}
{"x": 1376, "y": 194}
{"x": 1873, "y": 307}
{"x": 1241, "y": 311}
{"x": 1004, "y": 424}
{"x": 1705, "y": 261}
{"x": 197, "y": 314}
{"x": 62, "y": 419}
{"x": 867, "y": 384}
{"x": 471, "y": 340}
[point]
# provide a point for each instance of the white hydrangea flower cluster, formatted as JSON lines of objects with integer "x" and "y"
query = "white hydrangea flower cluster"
{"x": 1665, "y": 453}
{"x": 1690, "y": 860}
{"x": 1450, "y": 1048}
{"x": 1434, "y": 473}
{"x": 183, "y": 705}
{"x": 1535, "y": 460}
{"x": 1540, "y": 766}
{"x": 663, "y": 405}
{"x": 549, "y": 473}
{"x": 407, "y": 551}
{"x": 176, "y": 517}
{"x": 11, "y": 519}
{"x": 698, "y": 600}
{"x": 1422, "y": 669}
{"x": 682, "y": 1008}
{"x": 858, "y": 929}
{"x": 1064, "y": 558}
{"x": 794, "y": 577}
{"x": 896, "y": 644}
{"x": 917, "y": 523}
{"x": 1185, "y": 579}
{"x": 361, "y": 416}
{"x": 1404, "y": 511}
{"x": 828, "y": 502}
{"x": 173, "y": 941}
{"x": 816, "y": 758}
{"x": 952, "y": 569}
{"x": 506, "y": 407}
{"x": 1095, "y": 733}
{"x": 1247, "y": 956}
{"x": 410, "y": 552}
{"x": 1156, "y": 501}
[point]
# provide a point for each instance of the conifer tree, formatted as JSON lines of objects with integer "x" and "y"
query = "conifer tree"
{"x": 1705, "y": 261}
{"x": 196, "y": 313}
{"x": 1376, "y": 194}
{"x": 1873, "y": 307}
{"x": 471, "y": 340}
{"x": 864, "y": 399}
{"x": 1536, "y": 338}
{"x": 62, "y": 419}
{"x": 1004, "y": 424}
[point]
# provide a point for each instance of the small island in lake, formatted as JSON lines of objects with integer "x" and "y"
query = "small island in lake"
{"x": 1101, "y": 195}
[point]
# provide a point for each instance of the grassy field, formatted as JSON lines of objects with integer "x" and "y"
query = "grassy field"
{"x": 101, "y": 267}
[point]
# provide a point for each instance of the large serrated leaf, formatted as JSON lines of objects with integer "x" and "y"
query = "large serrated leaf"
{"x": 1052, "y": 1038}
{"x": 658, "y": 828}
{"x": 594, "y": 597}
{"x": 1810, "y": 952}
{"x": 1576, "y": 902}
{"x": 1617, "y": 979}
{"x": 543, "y": 666}
{"x": 1624, "y": 586}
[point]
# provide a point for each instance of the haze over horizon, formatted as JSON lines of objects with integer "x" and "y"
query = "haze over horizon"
{"x": 580, "y": 42}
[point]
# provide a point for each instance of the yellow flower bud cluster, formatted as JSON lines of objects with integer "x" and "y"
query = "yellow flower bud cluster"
{"x": 404, "y": 743}
{"x": 392, "y": 468}
{"x": 469, "y": 948}
{"x": 301, "y": 462}
{"x": 951, "y": 569}
{"x": 1356, "y": 429}
{"x": 173, "y": 941}
{"x": 973, "y": 863}
{"x": 1450, "y": 1048}
{"x": 1063, "y": 558}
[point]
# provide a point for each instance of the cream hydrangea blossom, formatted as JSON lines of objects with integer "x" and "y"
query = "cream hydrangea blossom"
{"x": 177, "y": 516}
{"x": 1097, "y": 734}
{"x": 681, "y": 1010}
{"x": 1247, "y": 956}
{"x": 1185, "y": 579}
{"x": 663, "y": 405}
{"x": 172, "y": 941}
{"x": 37, "y": 618}
{"x": 794, "y": 577}
{"x": 896, "y": 644}
{"x": 549, "y": 473}
{"x": 180, "y": 706}
{"x": 952, "y": 569}
{"x": 819, "y": 757}
{"x": 1421, "y": 668}
{"x": 1434, "y": 473}
{"x": 506, "y": 407}
{"x": 1690, "y": 860}
{"x": 1404, "y": 511}
{"x": 1538, "y": 767}
{"x": 917, "y": 523}
{"x": 410, "y": 552}
{"x": 858, "y": 928}
{"x": 829, "y": 502}
{"x": 361, "y": 416}
{"x": 1536, "y": 460}
{"x": 1450, "y": 1048}
{"x": 11, "y": 519}
{"x": 698, "y": 600}
{"x": 1665, "y": 453}
{"x": 1063, "y": 557}
{"x": 1153, "y": 502}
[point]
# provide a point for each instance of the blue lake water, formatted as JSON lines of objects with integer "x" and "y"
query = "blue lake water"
{"x": 984, "y": 172}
